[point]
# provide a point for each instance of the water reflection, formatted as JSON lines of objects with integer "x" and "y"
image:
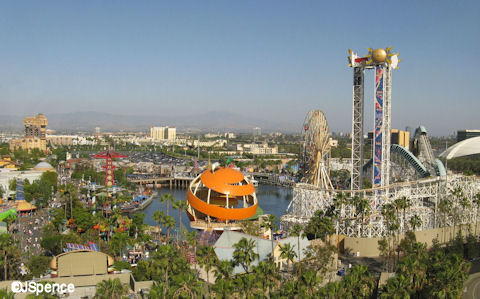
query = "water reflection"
{"x": 272, "y": 199}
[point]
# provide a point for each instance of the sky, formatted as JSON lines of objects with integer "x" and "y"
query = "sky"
{"x": 274, "y": 60}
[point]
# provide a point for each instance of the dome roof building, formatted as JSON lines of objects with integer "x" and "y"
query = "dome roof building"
{"x": 470, "y": 146}
{"x": 219, "y": 198}
{"x": 44, "y": 166}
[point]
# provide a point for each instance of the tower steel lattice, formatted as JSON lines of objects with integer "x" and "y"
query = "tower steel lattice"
{"x": 109, "y": 167}
{"x": 357, "y": 128}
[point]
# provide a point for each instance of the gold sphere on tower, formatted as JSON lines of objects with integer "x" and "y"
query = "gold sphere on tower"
{"x": 379, "y": 55}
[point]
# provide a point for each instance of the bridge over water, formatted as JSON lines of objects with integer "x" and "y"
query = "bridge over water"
{"x": 158, "y": 180}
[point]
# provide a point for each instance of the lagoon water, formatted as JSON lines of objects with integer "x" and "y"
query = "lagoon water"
{"x": 272, "y": 199}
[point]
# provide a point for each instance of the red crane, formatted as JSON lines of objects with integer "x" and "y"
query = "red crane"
{"x": 109, "y": 167}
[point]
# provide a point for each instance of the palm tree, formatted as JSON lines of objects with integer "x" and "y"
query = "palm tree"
{"x": 359, "y": 282}
{"x": 397, "y": 287}
{"x": 6, "y": 241}
{"x": 207, "y": 258}
{"x": 167, "y": 198}
{"x": 163, "y": 260}
{"x": 403, "y": 203}
{"x": 270, "y": 223}
{"x": 389, "y": 214}
{"x": 119, "y": 241}
{"x": 415, "y": 222}
{"x": 321, "y": 225}
{"x": 180, "y": 205}
{"x": 362, "y": 207}
{"x": 245, "y": 284}
{"x": 296, "y": 231}
{"x": 4, "y": 293}
{"x": 287, "y": 252}
{"x": 223, "y": 279}
{"x": 244, "y": 253}
{"x": 168, "y": 222}
{"x": 309, "y": 280}
{"x": 223, "y": 270}
{"x": 445, "y": 207}
{"x": 457, "y": 193}
{"x": 266, "y": 272}
{"x": 112, "y": 289}
{"x": 158, "y": 217}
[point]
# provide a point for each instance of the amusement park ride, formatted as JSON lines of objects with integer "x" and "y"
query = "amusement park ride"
{"x": 395, "y": 171}
{"x": 109, "y": 167}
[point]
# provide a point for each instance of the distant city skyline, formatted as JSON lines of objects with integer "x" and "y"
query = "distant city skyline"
{"x": 269, "y": 60}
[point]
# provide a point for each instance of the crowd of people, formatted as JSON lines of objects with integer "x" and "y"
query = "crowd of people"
{"x": 27, "y": 230}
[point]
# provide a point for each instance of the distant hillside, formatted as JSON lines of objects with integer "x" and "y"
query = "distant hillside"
{"x": 209, "y": 121}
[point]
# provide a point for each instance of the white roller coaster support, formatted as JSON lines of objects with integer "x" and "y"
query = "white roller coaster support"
{"x": 425, "y": 196}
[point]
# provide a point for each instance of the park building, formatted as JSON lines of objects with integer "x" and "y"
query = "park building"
{"x": 465, "y": 134}
{"x": 399, "y": 137}
{"x": 35, "y": 134}
{"x": 163, "y": 133}
{"x": 257, "y": 149}
{"x": 86, "y": 269}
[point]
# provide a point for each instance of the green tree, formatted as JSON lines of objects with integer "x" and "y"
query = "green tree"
{"x": 119, "y": 241}
{"x": 415, "y": 222}
{"x": 403, "y": 203}
{"x": 180, "y": 205}
{"x": 223, "y": 279}
{"x": 168, "y": 222}
{"x": 167, "y": 198}
{"x": 6, "y": 242}
{"x": 120, "y": 265}
{"x": 158, "y": 216}
{"x": 320, "y": 225}
{"x": 270, "y": 223}
{"x": 287, "y": 252}
{"x": 112, "y": 289}
{"x": 397, "y": 287}
{"x": 244, "y": 253}
{"x": 12, "y": 185}
{"x": 359, "y": 282}
{"x": 296, "y": 231}
{"x": 38, "y": 265}
{"x": 207, "y": 258}
{"x": 5, "y": 294}
{"x": 267, "y": 275}
{"x": 445, "y": 207}
{"x": 308, "y": 283}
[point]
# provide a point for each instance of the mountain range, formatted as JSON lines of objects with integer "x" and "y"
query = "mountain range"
{"x": 210, "y": 121}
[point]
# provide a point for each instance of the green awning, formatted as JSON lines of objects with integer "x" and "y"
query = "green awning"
{"x": 257, "y": 214}
{"x": 6, "y": 214}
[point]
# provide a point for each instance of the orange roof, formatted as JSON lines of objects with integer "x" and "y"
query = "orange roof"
{"x": 222, "y": 181}
{"x": 23, "y": 206}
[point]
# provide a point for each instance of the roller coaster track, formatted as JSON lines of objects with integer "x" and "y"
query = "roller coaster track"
{"x": 414, "y": 162}
{"x": 407, "y": 155}
{"x": 424, "y": 194}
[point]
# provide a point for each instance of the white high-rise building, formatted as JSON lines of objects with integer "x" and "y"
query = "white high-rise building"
{"x": 163, "y": 133}
{"x": 257, "y": 131}
{"x": 170, "y": 133}
{"x": 157, "y": 133}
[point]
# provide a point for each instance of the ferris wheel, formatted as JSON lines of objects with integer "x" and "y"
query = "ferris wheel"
{"x": 316, "y": 137}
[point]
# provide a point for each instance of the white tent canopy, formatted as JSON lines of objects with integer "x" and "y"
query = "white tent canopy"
{"x": 470, "y": 146}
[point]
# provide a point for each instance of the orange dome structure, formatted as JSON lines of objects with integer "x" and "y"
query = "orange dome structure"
{"x": 219, "y": 197}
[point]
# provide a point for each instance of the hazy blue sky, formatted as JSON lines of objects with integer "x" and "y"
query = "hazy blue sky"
{"x": 270, "y": 59}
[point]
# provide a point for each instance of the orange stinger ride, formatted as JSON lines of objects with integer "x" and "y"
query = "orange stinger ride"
{"x": 218, "y": 198}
